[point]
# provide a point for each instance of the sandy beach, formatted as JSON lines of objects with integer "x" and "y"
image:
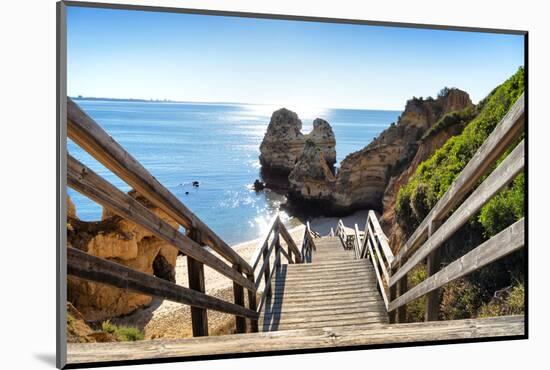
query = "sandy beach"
{"x": 166, "y": 319}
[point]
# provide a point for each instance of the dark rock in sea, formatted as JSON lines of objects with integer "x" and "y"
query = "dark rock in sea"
{"x": 186, "y": 193}
{"x": 259, "y": 185}
{"x": 195, "y": 184}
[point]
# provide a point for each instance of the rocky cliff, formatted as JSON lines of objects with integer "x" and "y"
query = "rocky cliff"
{"x": 283, "y": 145}
{"x": 364, "y": 175}
{"x": 428, "y": 144}
{"x": 124, "y": 242}
{"x": 311, "y": 176}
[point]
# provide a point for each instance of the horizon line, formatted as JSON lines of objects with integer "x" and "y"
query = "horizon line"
{"x": 172, "y": 101}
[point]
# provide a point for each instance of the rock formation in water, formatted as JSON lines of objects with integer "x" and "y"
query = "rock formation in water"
{"x": 283, "y": 145}
{"x": 363, "y": 176}
{"x": 124, "y": 242}
{"x": 311, "y": 176}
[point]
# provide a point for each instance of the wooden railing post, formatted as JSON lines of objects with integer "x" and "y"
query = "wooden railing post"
{"x": 195, "y": 274}
{"x": 393, "y": 295}
{"x": 433, "y": 262}
{"x": 267, "y": 272}
{"x": 402, "y": 311}
{"x": 238, "y": 294}
{"x": 252, "y": 304}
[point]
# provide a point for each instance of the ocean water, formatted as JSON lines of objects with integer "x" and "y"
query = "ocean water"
{"x": 217, "y": 145}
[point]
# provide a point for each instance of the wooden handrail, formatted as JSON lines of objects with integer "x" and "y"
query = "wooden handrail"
{"x": 255, "y": 259}
{"x": 308, "y": 243}
{"x": 85, "y": 132}
{"x": 88, "y": 183}
{"x": 86, "y": 266}
{"x": 264, "y": 251}
{"x": 507, "y": 170}
{"x": 391, "y": 272}
{"x": 507, "y": 241}
{"x": 504, "y": 134}
{"x": 357, "y": 246}
{"x": 289, "y": 242}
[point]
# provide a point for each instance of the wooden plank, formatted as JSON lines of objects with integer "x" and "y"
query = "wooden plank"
{"x": 259, "y": 251}
{"x": 289, "y": 241}
{"x": 238, "y": 298}
{"x": 329, "y": 319}
{"x": 504, "y": 134}
{"x": 378, "y": 277}
{"x": 502, "y": 175}
{"x": 388, "y": 255}
{"x": 88, "y": 183}
{"x": 86, "y": 133}
{"x": 507, "y": 241}
{"x": 351, "y": 304}
{"x": 357, "y": 242}
{"x": 329, "y": 278}
{"x": 199, "y": 316}
{"x": 252, "y": 305}
{"x": 402, "y": 288}
{"x": 323, "y": 301}
{"x": 264, "y": 270}
{"x": 432, "y": 266}
{"x": 267, "y": 288}
{"x": 96, "y": 269}
{"x": 360, "y": 335}
{"x": 379, "y": 258}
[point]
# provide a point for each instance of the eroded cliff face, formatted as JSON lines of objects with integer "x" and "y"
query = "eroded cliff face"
{"x": 124, "y": 242}
{"x": 426, "y": 149}
{"x": 311, "y": 177}
{"x": 364, "y": 175}
{"x": 283, "y": 145}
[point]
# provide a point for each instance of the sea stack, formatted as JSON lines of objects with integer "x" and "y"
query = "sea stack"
{"x": 363, "y": 176}
{"x": 284, "y": 143}
{"x": 312, "y": 177}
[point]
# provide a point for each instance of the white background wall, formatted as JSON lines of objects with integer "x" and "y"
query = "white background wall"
{"x": 27, "y": 180}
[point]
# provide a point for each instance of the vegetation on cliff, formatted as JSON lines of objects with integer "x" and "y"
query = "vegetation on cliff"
{"x": 471, "y": 296}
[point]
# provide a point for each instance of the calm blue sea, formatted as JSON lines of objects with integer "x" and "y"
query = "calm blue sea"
{"x": 217, "y": 145}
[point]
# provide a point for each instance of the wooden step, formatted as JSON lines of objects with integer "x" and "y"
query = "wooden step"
{"x": 330, "y": 323}
{"x": 312, "y": 292}
{"x": 374, "y": 304}
{"x": 370, "y": 334}
{"x": 327, "y": 302}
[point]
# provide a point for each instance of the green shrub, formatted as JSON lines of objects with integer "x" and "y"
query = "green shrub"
{"x": 435, "y": 175}
{"x": 460, "y": 299}
{"x": 129, "y": 334}
{"x": 512, "y": 304}
{"x": 122, "y": 333}
{"x": 416, "y": 309}
{"x": 456, "y": 119}
{"x": 505, "y": 208}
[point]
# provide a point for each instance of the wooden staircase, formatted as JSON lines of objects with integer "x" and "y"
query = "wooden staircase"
{"x": 319, "y": 295}
{"x": 334, "y": 289}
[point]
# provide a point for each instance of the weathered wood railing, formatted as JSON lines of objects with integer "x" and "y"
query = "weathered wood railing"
{"x": 341, "y": 231}
{"x": 440, "y": 224}
{"x": 270, "y": 246}
{"x": 374, "y": 245}
{"x": 86, "y": 133}
{"x": 308, "y": 243}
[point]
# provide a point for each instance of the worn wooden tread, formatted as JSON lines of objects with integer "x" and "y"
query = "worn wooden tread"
{"x": 342, "y": 336}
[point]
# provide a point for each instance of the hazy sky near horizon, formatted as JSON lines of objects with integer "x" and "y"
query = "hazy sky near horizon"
{"x": 136, "y": 54}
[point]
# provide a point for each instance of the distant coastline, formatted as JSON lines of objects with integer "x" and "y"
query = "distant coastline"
{"x": 133, "y": 100}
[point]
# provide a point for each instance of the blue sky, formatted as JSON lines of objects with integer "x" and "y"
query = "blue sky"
{"x": 135, "y": 54}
